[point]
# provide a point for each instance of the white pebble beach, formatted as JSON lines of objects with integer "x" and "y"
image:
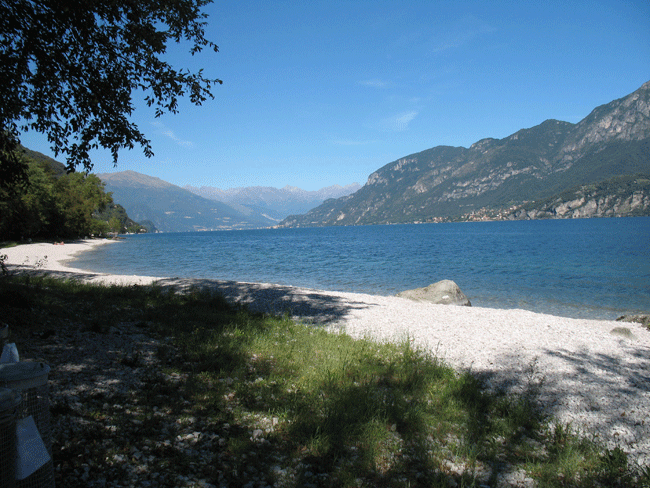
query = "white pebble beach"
{"x": 594, "y": 374}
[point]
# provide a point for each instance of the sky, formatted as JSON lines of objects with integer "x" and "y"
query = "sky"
{"x": 326, "y": 92}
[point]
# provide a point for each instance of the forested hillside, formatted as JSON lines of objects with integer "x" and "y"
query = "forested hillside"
{"x": 54, "y": 204}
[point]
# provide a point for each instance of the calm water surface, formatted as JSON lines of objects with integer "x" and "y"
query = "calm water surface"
{"x": 592, "y": 268}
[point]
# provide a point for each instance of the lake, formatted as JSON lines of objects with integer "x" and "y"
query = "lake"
{"x": 583, "y": 268}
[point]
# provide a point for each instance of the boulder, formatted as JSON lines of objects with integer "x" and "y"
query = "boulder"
{"x": 623, "y": 332}
{"x": 445, "y": 292}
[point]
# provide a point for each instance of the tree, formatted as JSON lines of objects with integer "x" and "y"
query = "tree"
{"x": 69, "y": 69}
{"x": 115, "y": 225}
{"x": 54, "y": 205}
{"x": 38, "y": 202}
{"x": 78, "y": 197}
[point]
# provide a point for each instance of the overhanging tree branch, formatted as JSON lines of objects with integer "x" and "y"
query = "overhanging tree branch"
{"x": 69, "y": 69}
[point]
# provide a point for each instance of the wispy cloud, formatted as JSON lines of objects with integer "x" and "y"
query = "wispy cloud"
{"x": 403, "y": 121}
{"x": 374, "y": 83}
{"x": 164, "y": 130}
{"x": 397, "y": 123}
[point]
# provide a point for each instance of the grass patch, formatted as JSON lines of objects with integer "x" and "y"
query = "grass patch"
{"x": 267, "y": 401}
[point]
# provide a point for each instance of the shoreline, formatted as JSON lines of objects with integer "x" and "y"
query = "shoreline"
{"x": 594, "y": 374}
{"x": 53, "y": 258}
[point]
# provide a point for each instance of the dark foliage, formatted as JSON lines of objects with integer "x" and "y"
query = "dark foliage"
{"x": 52, "y": 205}
{"x": 70, "y": 70}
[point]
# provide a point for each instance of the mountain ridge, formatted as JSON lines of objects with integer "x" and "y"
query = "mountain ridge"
{"x": 171, "y": 208}
{"x": 447, "y": 182}
{"x": 134, "y": 179}
{"x": 278, "y": 202}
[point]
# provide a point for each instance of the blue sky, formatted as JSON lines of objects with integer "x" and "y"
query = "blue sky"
{"x": 320, "y": 93}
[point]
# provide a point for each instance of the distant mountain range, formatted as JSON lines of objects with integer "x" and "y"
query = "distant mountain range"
{"x": 165, "y": 207}
{"x": 274, "y": 203}
{"x": 532, "y": 167}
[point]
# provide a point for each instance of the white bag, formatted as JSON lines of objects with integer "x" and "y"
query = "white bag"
{"x": 9, "y": 354}
{"x": 31, "y": 450}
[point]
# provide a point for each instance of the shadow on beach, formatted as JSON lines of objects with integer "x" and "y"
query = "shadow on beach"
{"x": 30, "y": 270}
{"x": 604, "y": 395}
{"x": 314, "y": 306}
{"x": 307, "y": 305}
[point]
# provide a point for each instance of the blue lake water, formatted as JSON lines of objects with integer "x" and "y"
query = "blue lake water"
{"x": 586, "y": 268}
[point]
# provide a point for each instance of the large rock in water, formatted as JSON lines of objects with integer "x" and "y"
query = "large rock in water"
{"x": 445, "y": 292}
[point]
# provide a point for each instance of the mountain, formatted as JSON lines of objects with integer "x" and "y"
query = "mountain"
{"x": 58, "y": 169}
{"x": 533, "y": 164}
{"x": 273, "y": 202}
{"x": 615, "y": 197}
{"x": 171, "y": 208}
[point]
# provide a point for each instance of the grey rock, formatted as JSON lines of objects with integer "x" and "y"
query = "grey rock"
{"x": 444, "y": 292}
{"x": 623, "y": 332}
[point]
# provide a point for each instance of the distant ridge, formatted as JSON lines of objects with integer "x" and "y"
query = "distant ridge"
{"x": 535, "y": 164}
{"x": 134, "y": 179}
{"x": 171, "y": 208}
{"x": 277, "y": 203}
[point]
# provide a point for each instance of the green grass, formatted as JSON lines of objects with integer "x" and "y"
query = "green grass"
{"x": 324, "y": 409}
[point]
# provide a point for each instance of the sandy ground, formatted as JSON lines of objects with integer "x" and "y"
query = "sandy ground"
{"x": 594, "y": 374}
